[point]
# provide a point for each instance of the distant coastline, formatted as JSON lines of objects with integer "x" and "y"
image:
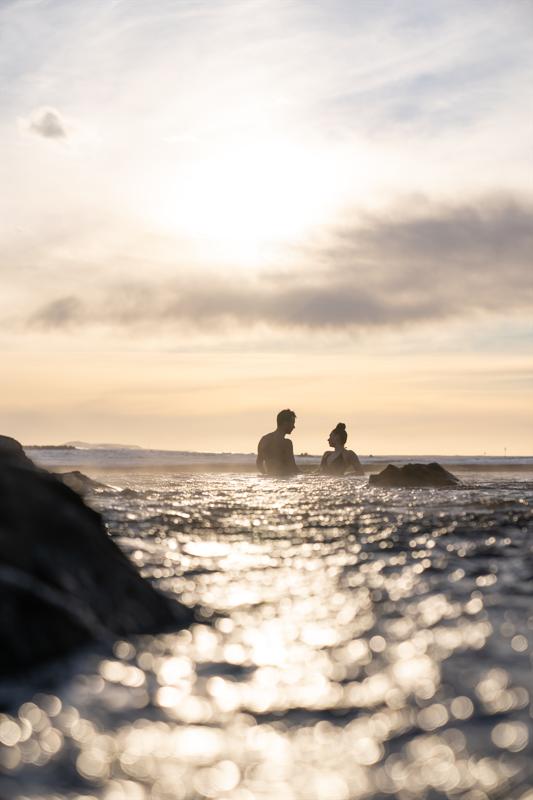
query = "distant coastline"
{"x": 102, "y": 446}
{"x": 49, "y": 447}
{"x": 83, "y": 446}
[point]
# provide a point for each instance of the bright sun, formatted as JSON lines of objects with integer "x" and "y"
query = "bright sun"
{"x": 239, "y": 202}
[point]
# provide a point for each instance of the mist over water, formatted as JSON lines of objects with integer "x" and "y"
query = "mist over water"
{"x": 358, "y": 643}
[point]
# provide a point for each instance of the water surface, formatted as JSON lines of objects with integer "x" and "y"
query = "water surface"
{"x": 356, "y": 643}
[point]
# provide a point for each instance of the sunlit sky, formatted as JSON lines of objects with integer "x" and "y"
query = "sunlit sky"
{"x": 212, "y": 210}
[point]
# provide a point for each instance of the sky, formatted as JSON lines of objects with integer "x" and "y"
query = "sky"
{"x": 215, "y": 209}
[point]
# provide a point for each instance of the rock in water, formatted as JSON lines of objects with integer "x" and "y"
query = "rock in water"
{"x": 414, "y": 475}
{"x": 63, "y": 581}
{"x": 79, "y": 482}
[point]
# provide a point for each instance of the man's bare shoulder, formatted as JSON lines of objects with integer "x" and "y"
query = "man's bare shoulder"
{"x": 266, "y": 438}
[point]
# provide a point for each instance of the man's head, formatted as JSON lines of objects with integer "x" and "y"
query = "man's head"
{"x": 286, "y": 420}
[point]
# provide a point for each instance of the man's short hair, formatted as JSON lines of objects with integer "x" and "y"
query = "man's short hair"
{"x": 285, "y": 416}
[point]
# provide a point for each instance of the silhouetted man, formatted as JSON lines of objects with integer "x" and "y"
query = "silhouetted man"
{"x": 275, "y": 455}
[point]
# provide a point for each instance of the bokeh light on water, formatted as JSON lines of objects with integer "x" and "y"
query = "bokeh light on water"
{"x": 356, "y": 643}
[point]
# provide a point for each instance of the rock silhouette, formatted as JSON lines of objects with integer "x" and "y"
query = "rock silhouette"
{"x": 12, "y": 451}
{"x": 63, "y": 581}
{"x": 414, "y": 476}
{"x": 79, "y": 482}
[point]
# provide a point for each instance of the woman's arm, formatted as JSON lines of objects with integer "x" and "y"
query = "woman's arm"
{"x": 323, "y": 462}
{"x": 354, "y": 463}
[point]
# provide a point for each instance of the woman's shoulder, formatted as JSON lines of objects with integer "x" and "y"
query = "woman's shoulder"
{"x": 353, "y": 460}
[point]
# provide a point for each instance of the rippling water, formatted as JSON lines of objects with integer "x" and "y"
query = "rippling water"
{"x": 358, "y": 643}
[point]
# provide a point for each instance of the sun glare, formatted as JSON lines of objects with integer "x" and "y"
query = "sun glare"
{"x": 242, "y": 201}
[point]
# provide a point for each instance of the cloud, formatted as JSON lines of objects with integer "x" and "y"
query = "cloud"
{"x": 48, "y": 123}
{"x": 429, "y": 264}
{"x": 59, "y": 313}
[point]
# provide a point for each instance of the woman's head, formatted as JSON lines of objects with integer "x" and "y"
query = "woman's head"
{"x": 338, "y": 435}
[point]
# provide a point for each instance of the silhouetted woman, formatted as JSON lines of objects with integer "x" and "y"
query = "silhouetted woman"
{"x": 339, "y": 461}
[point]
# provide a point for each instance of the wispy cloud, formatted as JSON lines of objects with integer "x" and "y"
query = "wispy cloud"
{"x": 431, "y": 264}
{"x": 58, "y": 313}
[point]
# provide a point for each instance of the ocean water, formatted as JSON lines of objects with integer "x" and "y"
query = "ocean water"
{"x": 185, "y": 461}
{"x": 356, "y": 643}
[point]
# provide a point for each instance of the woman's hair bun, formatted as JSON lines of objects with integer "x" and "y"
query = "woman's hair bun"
{"x": 341, "y": 426}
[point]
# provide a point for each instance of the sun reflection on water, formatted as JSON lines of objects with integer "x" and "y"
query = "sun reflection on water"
{"x": 361, "y": 645}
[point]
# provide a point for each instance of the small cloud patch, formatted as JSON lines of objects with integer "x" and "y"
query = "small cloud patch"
{"x": 58, "y": 314}
{"x": 48, "y": 123}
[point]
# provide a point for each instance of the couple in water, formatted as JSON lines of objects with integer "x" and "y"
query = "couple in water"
{"x": 275, "y": 455}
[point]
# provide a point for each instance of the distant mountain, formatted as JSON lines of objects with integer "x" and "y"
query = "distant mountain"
{"x": 49, "y": 447}
{"x": 102, "y": 446}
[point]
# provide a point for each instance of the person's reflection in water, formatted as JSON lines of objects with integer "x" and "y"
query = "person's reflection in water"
{"x": 275, "y": 455}
{"x": 339, "y": 461}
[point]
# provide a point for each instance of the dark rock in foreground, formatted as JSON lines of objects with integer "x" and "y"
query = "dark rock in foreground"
{"x": 12, "y": 451}
{"x": 62, "y": 579}
{"x": 414, "y": 476}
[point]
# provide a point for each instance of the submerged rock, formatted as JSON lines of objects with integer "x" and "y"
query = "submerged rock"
{"x": 63, "y": 581}
{"x": 79, "y": 482}
{"x": 414, "y": 475}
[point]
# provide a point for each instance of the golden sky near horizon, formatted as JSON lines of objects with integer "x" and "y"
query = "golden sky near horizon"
{"x": 219, "y": 209}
